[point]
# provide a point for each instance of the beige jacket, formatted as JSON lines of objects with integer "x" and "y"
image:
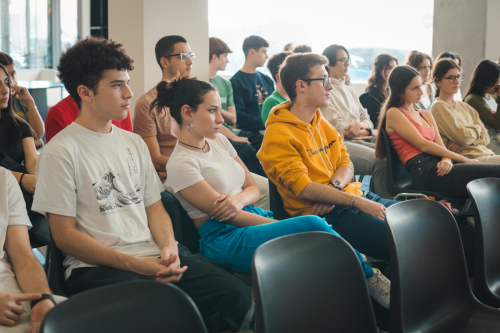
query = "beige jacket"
{"x": 460, "y": 124}
{"x": 344, "y": 108}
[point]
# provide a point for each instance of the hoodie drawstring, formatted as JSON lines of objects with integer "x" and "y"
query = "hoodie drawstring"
{"x": 326, "y": 168}
{"x": 321, "y": 139}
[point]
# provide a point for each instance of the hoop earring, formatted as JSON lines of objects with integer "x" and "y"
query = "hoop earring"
{"x": 190, "y": 127}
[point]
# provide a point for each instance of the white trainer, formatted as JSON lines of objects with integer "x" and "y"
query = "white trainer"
{"x": 380, "y": 288}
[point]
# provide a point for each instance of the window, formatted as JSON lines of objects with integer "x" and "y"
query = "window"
{"x": 365, "y": 27}
{"x": 30, "y": 29}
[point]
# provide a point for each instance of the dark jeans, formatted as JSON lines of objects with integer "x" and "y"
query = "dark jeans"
{"x": 423, "y": 170}
{"x": 365, "y": 233}
{"x": 254, "y": 137}
{"x": 248, "y": 156}
{"x": 211, "y": 288}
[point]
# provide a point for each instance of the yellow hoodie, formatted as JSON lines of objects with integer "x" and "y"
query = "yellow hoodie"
{"x": 295, "y": 153}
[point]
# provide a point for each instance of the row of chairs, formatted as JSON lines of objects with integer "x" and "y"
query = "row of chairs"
{"x": 312, "y": 282}
{"x": 417, "y": 223}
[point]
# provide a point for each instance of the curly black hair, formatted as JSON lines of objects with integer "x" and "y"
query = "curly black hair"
{"x": 85, "y": 62}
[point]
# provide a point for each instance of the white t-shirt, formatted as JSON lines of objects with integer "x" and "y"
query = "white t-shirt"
{"x": 12, "y": 212}
{"x": 218, "y": 167}
{"x": 104, "y": 180}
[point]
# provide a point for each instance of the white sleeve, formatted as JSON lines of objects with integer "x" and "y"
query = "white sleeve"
{"x": 228, "y": 146}
{"x": 183, "y": 172}
{"x": 17, "y": 206}
{"x": 55, "y": 186}
{"x": 152, "y": 184}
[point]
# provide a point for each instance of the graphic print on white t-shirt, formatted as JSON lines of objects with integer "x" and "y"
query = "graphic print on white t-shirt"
{"x": 113, "y": 193}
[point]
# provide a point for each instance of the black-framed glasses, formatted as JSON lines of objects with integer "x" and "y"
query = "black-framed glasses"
{"x": 184, "y": 56}
{"x": 326, "y": 80}
{"x": 452, "y": 78}
{"x": 343, "y": 60}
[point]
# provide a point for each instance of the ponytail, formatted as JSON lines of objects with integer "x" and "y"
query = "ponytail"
{"x": 182, "y": 90}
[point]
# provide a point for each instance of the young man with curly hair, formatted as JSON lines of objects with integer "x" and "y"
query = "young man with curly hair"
{"x": 101, "y": 193}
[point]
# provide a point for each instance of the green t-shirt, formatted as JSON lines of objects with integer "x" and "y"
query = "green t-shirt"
{"x": 226, "y": 96}
{"x": 269, "y": 104}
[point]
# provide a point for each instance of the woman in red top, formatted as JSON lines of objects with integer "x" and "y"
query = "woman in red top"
{"x": 413, "y": 135}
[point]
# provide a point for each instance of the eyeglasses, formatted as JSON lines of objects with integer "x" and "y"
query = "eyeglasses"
{"x": 452, "y": 78}
{"x": 326, "y": 80}
{"x": 343, "y": 60}
{"x": 184, "y": 55}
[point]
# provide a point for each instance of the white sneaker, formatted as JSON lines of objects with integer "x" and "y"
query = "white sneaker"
{"x": 380, "y": 288}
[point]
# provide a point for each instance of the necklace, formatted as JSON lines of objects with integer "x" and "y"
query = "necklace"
{"x": 202, "y": 149}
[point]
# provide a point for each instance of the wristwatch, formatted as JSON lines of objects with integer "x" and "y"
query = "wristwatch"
{"x": 337, "y": 185}
{"x": 44, "y": 297}
{"x": 370, "y": 131}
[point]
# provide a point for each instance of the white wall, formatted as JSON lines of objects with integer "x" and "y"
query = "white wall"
{"x": 139, "y": 24}
{"x": 492, "y": 50}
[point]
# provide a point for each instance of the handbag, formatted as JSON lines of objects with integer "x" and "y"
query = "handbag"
{"x": 9, "y": 163}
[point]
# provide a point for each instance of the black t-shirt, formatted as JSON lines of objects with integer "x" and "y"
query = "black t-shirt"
{"x": 15, "y": 151}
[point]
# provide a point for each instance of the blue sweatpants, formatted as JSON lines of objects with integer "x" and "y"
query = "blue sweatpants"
{"x": 221, "y": 242}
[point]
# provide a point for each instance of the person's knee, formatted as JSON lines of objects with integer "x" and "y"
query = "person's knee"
{"x": 314, "y": 223}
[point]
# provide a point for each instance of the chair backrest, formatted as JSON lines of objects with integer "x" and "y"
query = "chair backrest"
{"x": 186, "y": 233}
{"x": 398, "y": 178}
{"x": 276, "y": 202}
{"x": 54, "y": 269}
{"x": 130, "y": 307}
{"x": 485, "y": 197}
{"x": 310, "y": 282}
{"x": 430, "y": 289}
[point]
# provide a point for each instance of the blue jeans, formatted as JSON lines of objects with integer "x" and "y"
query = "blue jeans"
{"x": 221, "y": 242}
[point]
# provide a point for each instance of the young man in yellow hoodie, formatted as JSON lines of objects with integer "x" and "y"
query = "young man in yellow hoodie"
{"x": 305, "y": 157}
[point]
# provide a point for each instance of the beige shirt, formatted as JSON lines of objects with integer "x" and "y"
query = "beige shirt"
{"x": 344, "y": 108}
{"x": 165, "y": 129}
{"x": 460, "y": 124}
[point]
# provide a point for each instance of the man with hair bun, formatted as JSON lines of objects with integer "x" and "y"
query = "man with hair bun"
{"x": 101, "y": 193}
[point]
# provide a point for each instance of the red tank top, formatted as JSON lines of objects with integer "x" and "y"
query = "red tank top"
{"x": 405, "y": 149}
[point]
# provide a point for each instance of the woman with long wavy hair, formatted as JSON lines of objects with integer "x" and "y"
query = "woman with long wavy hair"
{"x": 377, "y": 89}
{"x": 419, "y": 146}
{"x": 18, "y": 154}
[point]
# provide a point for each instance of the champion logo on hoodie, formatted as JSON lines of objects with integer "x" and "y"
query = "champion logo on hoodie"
{"x": 312, "y": 153}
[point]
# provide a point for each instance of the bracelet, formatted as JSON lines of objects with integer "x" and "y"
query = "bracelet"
{"x": 21, "y": 180}
{"x": 370, "y": 131}
{"x": 352, "y": 201}
{"x": 33, "y": 108}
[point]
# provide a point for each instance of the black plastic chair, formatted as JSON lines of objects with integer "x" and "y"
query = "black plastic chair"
{"x": 399, "y": 182}
{"x": 54, "y": 269}
{"x": 430, "y": 290}
{"x": 131, "y": 307}
{"x": 184, "y": 228}
{"x": 310, "y": 282}
{"x": 485, "y": 197}
{"x": 277, "y": 206}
